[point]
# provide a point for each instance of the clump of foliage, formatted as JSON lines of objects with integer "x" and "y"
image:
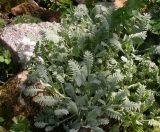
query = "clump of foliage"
{"x": 20, "y": 124}
{"x": 2, "y": 23}
{"x": 97, "y": 76}
{"x": 155, "y": 28}
{"x": 63, "y": 6}
{"x": 26, "y": 19}
{"x": 7, "y": 67}
{"x": 1, "y": 121}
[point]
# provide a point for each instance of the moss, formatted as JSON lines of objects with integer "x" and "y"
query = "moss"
{"x": 26, "y": 19}
{"x": 2, "y": 23}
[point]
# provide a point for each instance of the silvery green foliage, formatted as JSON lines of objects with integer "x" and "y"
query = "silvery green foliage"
{"x": 87, "y": 32}
{"x": 96, "y": 77}
{"x": 81, "y": 11}
{"x": 26, "y": 49}
{"x": 78, "y": 101}
{"x": 52, "y": 35}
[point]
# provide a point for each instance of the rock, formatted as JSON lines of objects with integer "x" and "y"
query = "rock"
{"x": 33, "y": 9}
{"x": 26, "y": 7}
{"x": 21, "y": 39}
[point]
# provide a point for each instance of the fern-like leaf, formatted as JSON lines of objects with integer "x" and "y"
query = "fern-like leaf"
{"x": 40, "y": 124}
{"x": 79, "y": 73}
{"x": 74, "y": 67}
{"x": 118, "y": 76}
{"x": 43, "y": 73}
{"x": 115, "y": 43}
{"x": 103, "y": 121}
{"x": 154, "y": 123}
{"x": 31, "y": 91}
{"x": 131, "y": 106}
{"x": 120, "y": 96}
{"x": 60, "y": 78}
{"x": 88, "y": 59}
{"x": 140, "y": 35}
{"x": 45, "y": 100}
{"x": 157, "y": 50}
{"x": 113, "y": 114}
{"x": 61, "y": 112}
{"x": 72, "y": 107}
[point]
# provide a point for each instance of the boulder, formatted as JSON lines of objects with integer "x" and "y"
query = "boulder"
{"x": 21, "y": 39}
{"x": 32, "y": 8}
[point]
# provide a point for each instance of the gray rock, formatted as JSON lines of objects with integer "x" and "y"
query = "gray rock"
{"x": 21, "y": 39}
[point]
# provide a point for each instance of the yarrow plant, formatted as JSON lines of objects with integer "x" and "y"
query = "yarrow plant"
{"x": 96, "y": 77}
